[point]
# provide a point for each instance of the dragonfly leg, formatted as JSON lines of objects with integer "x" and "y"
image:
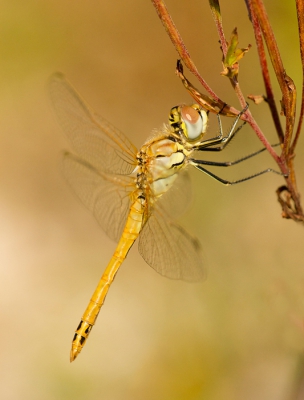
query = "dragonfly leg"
{"x": 221, "y": 139}
{"x": 229, "y": 163}
{"x": 196, "y": 164}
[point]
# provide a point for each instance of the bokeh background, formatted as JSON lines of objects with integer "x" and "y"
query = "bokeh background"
{"x": 239, "y": 334}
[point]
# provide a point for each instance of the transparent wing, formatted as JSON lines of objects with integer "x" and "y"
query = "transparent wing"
{"x": 106, "y": 196}
{"x": 169, "y": 249}
{"x": 177, "y": 199}
{"x": 93, "y": 138}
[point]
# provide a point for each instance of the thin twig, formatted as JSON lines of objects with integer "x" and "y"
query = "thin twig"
{"x": 203, "y": 100}
{"x": 286, "y": 84}
{"x": 216, "y": 13}
{"x": 300, "y": 14}
{"x": 261, "y": 24}
{"x": 217, "y": 16}
{"x": 265, "y": 73}
{"x": 252, "y": 122}
{"x": 179, "y": 44}
{"x": 288, "y": 101}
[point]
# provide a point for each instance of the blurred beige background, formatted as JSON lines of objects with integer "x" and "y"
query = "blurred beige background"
{"x": 239, "y": 334}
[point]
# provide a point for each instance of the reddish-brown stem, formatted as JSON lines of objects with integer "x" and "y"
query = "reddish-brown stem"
{"x": 288, "y": 197}
{"x": 261, "y": 136}
{"x": 184, "y": 54}
{"x": 179, "y": 44}
{"x": 285, "y": 82}
{"x": 265, "y": 73}
{"x": 300, "y": 14}
{"x": 288, "y": 101}
{"x": 203, "y": 100}
{"x": 215, "y": 10}
{"x": 216, "y": 13}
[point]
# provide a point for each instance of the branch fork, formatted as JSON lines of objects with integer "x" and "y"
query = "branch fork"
{"x": 288, "y": 195}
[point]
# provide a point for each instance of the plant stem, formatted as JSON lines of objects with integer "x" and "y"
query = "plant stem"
{"x": 300, "y": 14}
{"x": 265, "y": 73}
{"x": 286, "y": 84}
{"x": 179, "y": 44}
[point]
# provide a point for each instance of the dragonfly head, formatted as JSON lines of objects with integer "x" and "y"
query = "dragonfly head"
{"x": 191, "y": 121}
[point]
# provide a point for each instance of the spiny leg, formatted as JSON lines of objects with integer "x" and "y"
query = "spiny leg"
{"x": 232, "y": 132}
{"x": 221, "y": 139}
{"x": 230, "y": 163}
{"x": 229, "y": 183}
{"x": 225, "y": 140}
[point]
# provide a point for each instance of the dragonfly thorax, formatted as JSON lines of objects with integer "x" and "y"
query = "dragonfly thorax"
{"x": 159, "y": 161}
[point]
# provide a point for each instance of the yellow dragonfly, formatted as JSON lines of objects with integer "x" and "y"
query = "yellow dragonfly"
{"x": 133, "y": 193}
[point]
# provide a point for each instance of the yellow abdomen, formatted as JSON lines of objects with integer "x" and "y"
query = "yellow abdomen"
{"x": 131, "y": 231}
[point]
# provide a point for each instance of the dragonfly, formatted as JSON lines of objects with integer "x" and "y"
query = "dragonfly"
{"x": 137, "y": 194}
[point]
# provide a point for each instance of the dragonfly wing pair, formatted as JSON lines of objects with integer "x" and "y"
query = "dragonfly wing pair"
{"x": 100, "y": 177}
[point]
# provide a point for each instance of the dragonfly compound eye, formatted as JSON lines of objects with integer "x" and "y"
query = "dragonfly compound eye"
{"x": 195, "y": 121}
{"x": 190, "y": 121}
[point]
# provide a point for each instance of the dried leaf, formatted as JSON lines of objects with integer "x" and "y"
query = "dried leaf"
{"x": 256, "y": 98}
